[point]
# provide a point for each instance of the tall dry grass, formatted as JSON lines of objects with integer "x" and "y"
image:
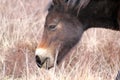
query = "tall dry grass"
{"x": 95, "y": 57}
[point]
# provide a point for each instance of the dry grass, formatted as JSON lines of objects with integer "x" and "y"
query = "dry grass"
{"x": 96, "y": 57}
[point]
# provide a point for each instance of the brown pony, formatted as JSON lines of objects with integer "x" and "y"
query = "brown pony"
{"x": 65, "y": 23}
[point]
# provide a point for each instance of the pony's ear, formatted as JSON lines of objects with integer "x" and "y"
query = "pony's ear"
{"x": 51, "y": 7}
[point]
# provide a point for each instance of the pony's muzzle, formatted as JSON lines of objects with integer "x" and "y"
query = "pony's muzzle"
{"x": 43, "y": 58}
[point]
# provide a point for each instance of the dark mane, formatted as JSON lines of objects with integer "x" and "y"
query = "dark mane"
{"x": 69, "y": 5}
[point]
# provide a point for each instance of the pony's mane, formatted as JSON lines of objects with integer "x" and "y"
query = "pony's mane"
{"x": 69, "y": 5}
{"x": 77, "y": 5}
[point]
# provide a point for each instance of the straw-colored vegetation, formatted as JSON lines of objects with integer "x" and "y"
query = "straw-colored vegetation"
{"x": 96, "y": 56}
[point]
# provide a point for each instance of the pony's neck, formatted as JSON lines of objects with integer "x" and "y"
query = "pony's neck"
{"x": 101, "y": 14}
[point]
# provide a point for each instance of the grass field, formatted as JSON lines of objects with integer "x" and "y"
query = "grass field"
{"x": 95, "y": 57}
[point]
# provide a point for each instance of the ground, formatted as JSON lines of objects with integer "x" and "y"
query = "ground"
{"x": 95, "y": 57}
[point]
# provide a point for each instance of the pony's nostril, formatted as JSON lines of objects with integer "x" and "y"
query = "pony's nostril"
{"x": 38, "y": 61}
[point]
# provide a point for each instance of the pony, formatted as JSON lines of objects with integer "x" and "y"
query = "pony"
{"x": 65, "y": 23}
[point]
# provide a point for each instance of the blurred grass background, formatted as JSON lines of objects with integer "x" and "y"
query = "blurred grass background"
{"x": 95, "y": 57}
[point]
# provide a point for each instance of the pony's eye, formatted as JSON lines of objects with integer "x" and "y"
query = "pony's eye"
{"x": 52, "y": 27}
